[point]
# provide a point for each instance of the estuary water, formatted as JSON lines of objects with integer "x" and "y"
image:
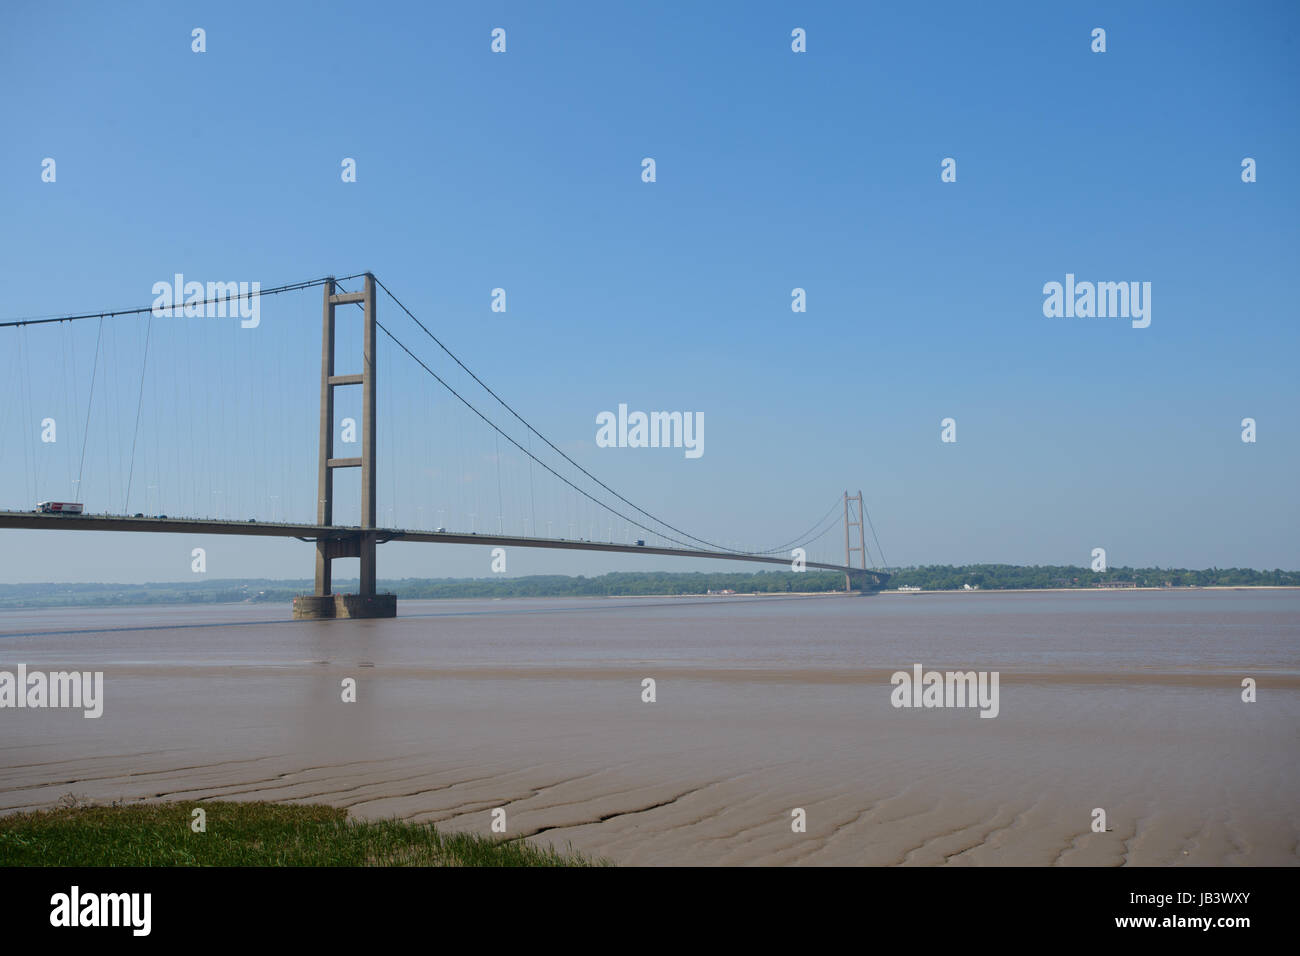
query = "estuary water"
{"x": 763, "y": 706}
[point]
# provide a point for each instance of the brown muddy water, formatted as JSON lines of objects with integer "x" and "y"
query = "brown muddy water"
{"x": 1128, "y": 702}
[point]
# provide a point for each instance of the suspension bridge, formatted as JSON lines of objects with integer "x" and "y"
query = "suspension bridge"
{"x": 589, "y": 502}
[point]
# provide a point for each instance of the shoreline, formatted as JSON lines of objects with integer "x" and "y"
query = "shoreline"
{"x": 629, "y": 597}
{"x": 1188, "y": 587}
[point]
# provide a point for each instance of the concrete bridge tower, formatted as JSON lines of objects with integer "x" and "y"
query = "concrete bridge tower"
{"x": 347, "y": 543}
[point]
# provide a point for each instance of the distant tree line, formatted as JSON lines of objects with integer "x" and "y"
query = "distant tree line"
{"x": 988, "y": 577}
{"x": 261, "y": 590}
{"x": 993, "y": 577}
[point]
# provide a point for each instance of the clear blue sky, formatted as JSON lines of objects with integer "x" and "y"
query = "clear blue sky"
{"x": 775, "y": 170}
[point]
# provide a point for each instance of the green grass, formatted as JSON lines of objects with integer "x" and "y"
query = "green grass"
{"x": 248, "y": 834}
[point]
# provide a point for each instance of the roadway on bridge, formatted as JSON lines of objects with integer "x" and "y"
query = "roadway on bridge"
{"x": 310, "y": 532}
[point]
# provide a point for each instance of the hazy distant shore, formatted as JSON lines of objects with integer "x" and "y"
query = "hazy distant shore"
{"x": 1083, "y": 590}
{"x": 981, "y": 578}
{"x": 89, "y": 605}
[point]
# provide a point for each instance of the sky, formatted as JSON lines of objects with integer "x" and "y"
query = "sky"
{"x": 774, "y": 170}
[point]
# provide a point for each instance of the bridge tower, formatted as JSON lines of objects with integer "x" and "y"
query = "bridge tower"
{"x": 346, "y": 543}
{"x": 862, "y": 538}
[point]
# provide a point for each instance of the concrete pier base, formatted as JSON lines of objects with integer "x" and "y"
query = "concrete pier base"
{"x": 316, "y": 607}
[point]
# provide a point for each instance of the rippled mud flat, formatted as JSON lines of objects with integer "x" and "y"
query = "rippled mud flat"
{"x": 1127, "y": 703}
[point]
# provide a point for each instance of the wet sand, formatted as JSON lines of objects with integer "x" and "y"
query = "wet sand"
{"x": 1130, "y": 703}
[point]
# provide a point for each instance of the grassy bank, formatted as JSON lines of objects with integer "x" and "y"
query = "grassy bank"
{"x": 247, "y": 834}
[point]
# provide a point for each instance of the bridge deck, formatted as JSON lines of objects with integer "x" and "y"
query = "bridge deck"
{"x": 311, "y": 532}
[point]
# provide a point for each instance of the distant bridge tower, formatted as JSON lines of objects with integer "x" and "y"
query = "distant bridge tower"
{"x": 349, "y": 543}
{"x": 862, "y": 538}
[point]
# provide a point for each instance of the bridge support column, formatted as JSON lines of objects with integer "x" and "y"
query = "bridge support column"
{"x": 366, "y": 602}
{"x": 862, "y": 539}
{"x": 325, "y": 474}
{"x": 368, "y": 445}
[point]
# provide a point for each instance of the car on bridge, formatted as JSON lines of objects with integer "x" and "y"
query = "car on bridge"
{"x": 59, "y": 507}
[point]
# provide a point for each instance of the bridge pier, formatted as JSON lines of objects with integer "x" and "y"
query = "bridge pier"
{"x": 365, "y": 603}
{"x": 318, "y": 607}
{"x": 359, "y": 544}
